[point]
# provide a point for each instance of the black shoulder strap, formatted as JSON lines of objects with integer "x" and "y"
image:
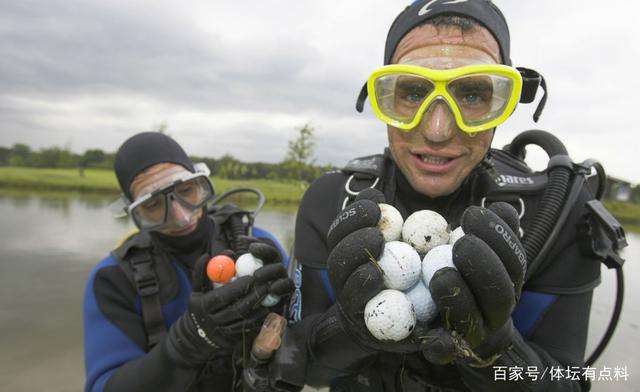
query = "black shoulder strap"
{"x": 136, "y": 260}
{"x": 148, "y": 288}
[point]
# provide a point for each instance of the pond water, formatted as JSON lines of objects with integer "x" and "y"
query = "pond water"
{"x": 49, "y": 242}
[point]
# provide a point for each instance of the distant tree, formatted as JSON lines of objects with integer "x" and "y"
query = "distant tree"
{"x": 298, "y": 163}
{"x": 21, "y": 150}
{"x": 301, "y": 148}
{"x": 92, "y": 158}
{"x": 161, "y": 127}
{"x": 20, "y": 155}
{"x": 54, "y": 157}
{"x": 5, "y": 154}
{"x": 635, "y": 193}
{"x": 231, "y": 168}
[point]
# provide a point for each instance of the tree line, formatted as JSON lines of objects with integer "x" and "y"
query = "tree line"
{"x": 298, "y": 163}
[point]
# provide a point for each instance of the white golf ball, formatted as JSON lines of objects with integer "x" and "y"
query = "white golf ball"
{"x": 437, "y": 258}
{"x": 400, "y": 264}
{"x": 423, "y": 303}
{"x": 247, "y": 264}
{"x": 424, "y": 230}
{"x": 455, "y": 235}
{"x": 390, "y": 316}
{"x": 390, "y": 223}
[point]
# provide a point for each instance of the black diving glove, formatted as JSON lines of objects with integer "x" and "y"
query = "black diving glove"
{"x": 217, "y": 319}
{"x": 355, "y": 242}
{"x": 477, "y": 298}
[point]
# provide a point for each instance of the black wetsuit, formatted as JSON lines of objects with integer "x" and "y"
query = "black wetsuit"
{"x": 552, "y": 316}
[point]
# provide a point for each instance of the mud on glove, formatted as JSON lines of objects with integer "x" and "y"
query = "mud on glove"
{"x": 476, "y": 298}
{"x": 217, "y": 319}
{"x": 356, "y": 243}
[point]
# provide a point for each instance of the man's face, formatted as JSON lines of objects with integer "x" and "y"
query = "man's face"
{"x": 436, "y": 156}
{"x": 182, "y": 221}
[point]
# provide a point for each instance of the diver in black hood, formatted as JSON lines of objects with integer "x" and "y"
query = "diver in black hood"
{"x": 152, "y": 320}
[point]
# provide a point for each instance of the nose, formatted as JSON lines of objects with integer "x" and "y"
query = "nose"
{"x": 438, "y": 124}
{"x": 181, "y": 216}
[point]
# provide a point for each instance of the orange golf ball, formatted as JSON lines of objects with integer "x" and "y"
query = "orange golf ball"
{"x": 221, "y": 269}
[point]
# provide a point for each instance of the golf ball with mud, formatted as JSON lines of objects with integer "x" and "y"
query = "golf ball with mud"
{"x": 424, "y": 230}
{"x": 400, "y": 264}
{"x": 390, "y": 223}
{"x": 390, "y": 316}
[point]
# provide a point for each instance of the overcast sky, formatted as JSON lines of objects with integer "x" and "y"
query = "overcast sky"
{"x": 239, "y": 77}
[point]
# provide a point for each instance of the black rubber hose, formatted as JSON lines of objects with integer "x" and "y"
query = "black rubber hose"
{"x": 548, "y": 212}
{"x": 237, "y": 231}
{"x": 554, "y": 196}
{"x": 613, "y": 322}
{"x": 549, "y": 143}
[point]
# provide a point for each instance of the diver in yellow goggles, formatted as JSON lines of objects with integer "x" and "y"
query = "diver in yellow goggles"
{"x": 480, "y": 96}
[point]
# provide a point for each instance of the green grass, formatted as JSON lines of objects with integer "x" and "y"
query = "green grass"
{"x": 276, "y": 192}
{"x": 104, "y": 181}
{"x": 627, "y": 213}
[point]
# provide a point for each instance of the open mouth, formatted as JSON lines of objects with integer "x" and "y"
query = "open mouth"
{"x": 434, "y": 163}
{"x": 434, "y": 160}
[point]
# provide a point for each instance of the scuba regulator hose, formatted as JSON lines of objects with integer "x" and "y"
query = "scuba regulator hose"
{"x": 546, "y": 216}
{"x": 555, "y": 207}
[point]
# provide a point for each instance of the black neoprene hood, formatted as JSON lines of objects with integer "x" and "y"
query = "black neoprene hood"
{"x": 144, "y": 150}
{"x": 420, "y": 11}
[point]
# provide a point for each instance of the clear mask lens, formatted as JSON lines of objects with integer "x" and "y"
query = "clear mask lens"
{"x": 399, "y": 96}
{"x": 157, "y": 210}
{"x": 480, "y": 98}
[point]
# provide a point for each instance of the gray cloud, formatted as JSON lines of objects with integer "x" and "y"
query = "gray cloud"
{"x": 238, "y": 77}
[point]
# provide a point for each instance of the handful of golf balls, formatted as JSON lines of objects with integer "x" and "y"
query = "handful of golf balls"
{"x": 394, "y": 312}
{"x": 221, "y": 270}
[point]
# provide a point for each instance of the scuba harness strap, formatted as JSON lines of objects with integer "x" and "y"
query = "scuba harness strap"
{"x": 148, "y": 289}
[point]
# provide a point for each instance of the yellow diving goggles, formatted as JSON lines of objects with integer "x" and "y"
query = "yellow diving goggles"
{"x": 480, "y": 96}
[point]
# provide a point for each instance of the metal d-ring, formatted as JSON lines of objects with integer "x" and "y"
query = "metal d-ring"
{"x": 520, "y": 214}
{"x": 347, "y": 188}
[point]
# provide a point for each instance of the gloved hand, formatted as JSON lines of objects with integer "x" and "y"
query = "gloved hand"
{"x": 356, "y": 242}
{"x": 476, "y": 300}
{"x": 217, "y": 319}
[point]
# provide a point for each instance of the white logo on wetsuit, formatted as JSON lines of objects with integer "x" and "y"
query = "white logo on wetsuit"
{"x": 425, "y": 9}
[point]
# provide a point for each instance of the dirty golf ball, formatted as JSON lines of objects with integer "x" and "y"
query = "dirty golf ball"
{"x": 390, "y": 223}
{"x": 423, "y": 304}
{"x": 220, "y": 269}
{"x": 455, "y": 235}
{"x": 437, "y": 258}
{"x": 400, "y": 264}
{"x": 425, "y": 230}
{"x": 389, "y": 316}
{"x": 246, "y": 265}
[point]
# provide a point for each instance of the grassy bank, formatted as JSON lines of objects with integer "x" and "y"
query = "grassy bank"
{"x": 277, "y": 192}
{"x": 104, "y": 181}
{"x": 627, "y": 213}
